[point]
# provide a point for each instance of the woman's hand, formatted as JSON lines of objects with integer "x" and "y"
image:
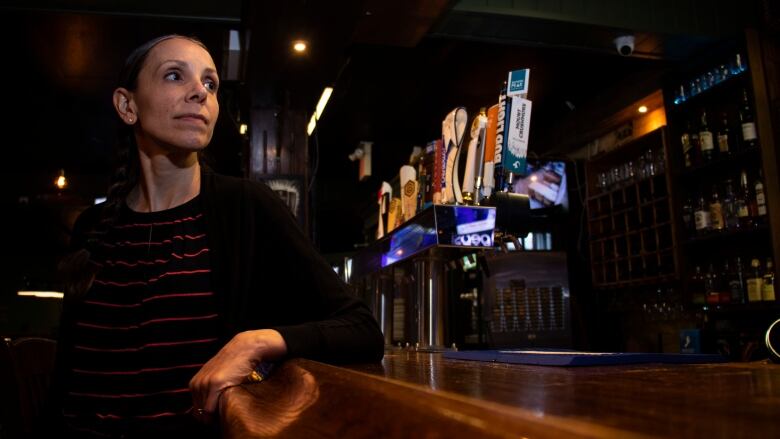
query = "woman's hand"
{"x": 231, "y": 366}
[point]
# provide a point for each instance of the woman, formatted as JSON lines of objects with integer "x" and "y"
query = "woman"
{"x": 185, "y": 281}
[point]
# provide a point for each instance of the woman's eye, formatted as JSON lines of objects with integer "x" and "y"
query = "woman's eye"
{"x": 211, "y": 85}
{"x": 173, "y": 76}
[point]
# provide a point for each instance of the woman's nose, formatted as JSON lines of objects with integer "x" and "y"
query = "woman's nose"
{"x": 198, "y": 92}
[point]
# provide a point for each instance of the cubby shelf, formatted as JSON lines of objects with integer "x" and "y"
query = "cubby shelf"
{"x": 630, "y": 224}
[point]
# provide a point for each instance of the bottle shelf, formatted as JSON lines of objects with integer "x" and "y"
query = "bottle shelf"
{"x": 720, "y": 164}
{"x": 653, "y": 280}
{"x": 629, "y": 233}
{"x": 713, "y": 92}
{"x": 724, "y": 104}
{"x": 714, "y": 237}
{"x": 628, "y": 185}
{"x": 645, "y": 254}
{"x": 772, "y": 306}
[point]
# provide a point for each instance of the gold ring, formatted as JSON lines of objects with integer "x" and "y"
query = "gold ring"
{"x": 254, "y": 377}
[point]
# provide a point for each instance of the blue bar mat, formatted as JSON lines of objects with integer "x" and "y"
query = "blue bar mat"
{"x": 575, "y": 358}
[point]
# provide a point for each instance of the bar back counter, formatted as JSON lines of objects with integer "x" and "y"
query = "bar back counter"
{"x": 422, "y": 394}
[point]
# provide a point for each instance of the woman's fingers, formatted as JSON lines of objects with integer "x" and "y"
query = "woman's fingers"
{"x": 231, "y": 366}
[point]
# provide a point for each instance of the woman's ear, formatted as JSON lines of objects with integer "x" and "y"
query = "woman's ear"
{"x": 124, "y": 105}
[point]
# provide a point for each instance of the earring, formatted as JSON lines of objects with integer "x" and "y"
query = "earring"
{"x": 130, "y": 119}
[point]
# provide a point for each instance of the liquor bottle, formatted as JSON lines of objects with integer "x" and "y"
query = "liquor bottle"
{"x": 687, "y": 217}
{"x": 725, "y": 283}
{"x": 768, "y": 286}
{"x": 760, "y": 199}
{"x": 745, "y": 203}
{"x": 697, "y": 287}
{"x": 755, "y": 281}
{"x": 736, "y": 284}
{"x": 730, "y": 207}
{"x": 701, "y": 217}
{"x": 724, "y": 146}
{"x": 749, "y": 136}
{"x": 711, "y": 284}
{"x": 705, "y": 140}
{"x": 687, "y": 146}
{"x": 695, "y": 148}
{"x": 716, "y": 212}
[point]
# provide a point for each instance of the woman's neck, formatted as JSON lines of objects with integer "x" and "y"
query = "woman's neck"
{"x": 166, "y": 181}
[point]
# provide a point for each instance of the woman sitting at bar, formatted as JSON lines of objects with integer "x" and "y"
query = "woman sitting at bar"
{"x": 184, "y": 282}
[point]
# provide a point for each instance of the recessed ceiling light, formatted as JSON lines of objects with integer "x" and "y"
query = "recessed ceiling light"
{"x": 299, "y": 46}
{"x": 61, "y": 182}
{"x": 642, "y": 109}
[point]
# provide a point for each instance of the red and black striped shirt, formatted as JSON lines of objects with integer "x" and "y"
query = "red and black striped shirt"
{"x": 146, "y": 326}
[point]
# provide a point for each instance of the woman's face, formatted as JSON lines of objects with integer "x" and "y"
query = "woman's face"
{"x": 176, "y": 97}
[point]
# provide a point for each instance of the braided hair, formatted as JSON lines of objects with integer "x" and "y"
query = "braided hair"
{"x": 75, "y": 270}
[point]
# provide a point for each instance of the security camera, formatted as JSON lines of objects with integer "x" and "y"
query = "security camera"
{"x": 363, "y": 154}
{"x": 356, "y": 155}
{"x": 625, "y": 45}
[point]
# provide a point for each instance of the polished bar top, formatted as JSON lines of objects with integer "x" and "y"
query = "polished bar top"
{"x": 424, "y": 395}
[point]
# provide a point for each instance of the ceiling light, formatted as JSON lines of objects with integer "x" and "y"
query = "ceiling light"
{"x": 642, "y": 109}
{"x": 312, "y": 124}
{"x": 299, "y": 46}
{"x": 323, "y": 101}
{"x": 61, "y": 182}
{"x": 319, "y": 109}
{"x": 41, "y": 294}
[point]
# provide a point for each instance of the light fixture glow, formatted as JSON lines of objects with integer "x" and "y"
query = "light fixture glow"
{"x": 41, "y": 294}
{"x": 323, "y": 101}
{"x": 61, "y": 182}
{"x": 312, "y": 124}
{"x": 642, "y": 109}
{"x": 299, "y": 46}
{"x": 242, "y": 128}
{"x": 319, "y": 109}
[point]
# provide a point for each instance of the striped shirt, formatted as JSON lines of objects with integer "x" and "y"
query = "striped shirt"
{"x": 146, "y": 326}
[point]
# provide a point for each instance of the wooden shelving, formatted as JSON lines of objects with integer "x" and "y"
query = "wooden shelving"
{"x": 716, "y": 248}
{"x": 630, "y": 223}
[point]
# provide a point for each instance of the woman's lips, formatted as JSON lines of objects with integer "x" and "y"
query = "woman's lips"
{"x": 193, "y": 118}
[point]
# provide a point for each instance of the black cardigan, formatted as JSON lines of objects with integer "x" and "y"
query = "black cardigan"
{"x": 267, "y": 274}
{"x": 271, "y": 276}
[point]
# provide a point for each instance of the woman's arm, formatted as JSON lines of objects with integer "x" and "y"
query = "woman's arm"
{"x": 279, "y": 291}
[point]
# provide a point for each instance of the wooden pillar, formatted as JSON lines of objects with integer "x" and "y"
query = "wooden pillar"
{"x": 278, "y": 142}
{"x": 763, "y": 57}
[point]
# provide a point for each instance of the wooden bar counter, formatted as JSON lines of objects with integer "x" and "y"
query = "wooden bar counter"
{"x": 415, "y": 394}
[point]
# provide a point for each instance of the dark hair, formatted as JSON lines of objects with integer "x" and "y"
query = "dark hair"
{"x": 127, "y": 170}
{"x": 75, "y": 270}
